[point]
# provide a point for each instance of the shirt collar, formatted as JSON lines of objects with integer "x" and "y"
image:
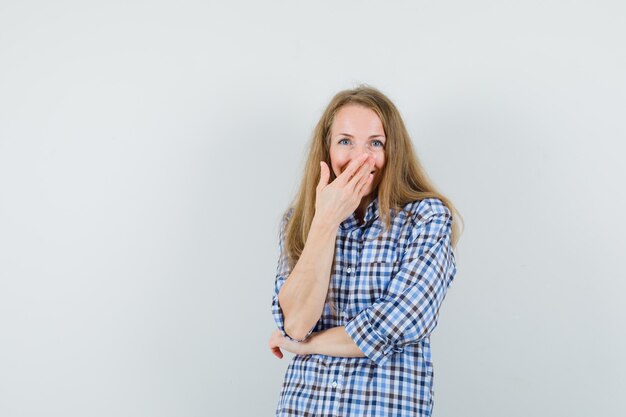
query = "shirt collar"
{"x": 371, "y": 214}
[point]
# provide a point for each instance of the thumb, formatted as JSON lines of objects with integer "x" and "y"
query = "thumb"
{"x": 324, "y": 174}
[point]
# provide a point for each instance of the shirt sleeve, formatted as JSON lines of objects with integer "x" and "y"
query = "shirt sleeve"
{"x": 282, "y": 272}
{"x": 408, "y": 311}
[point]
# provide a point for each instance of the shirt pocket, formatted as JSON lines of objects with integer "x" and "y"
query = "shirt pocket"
{"x": 379, "y": 250}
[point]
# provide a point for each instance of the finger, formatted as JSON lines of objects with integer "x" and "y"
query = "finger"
{"x": 361, "y": 174}
{"x": 274, "y": 345}
{"x": 276, "y": 351}
{"x": 346, "y": 175}
{"x": 362, "y": 184}
{"x": 324, "y": 174}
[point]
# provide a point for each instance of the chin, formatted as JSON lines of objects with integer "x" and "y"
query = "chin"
{"x": 369, "y": 191}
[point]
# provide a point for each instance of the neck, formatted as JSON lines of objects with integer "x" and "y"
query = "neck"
{"x": 360, "y": 210}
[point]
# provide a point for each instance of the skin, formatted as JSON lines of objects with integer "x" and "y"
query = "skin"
{"x": 356, "y": 149}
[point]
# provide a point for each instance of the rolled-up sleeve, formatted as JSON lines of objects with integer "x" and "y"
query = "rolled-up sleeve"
{"x": 409, "y": 309}
{"x": 282, "y": 272}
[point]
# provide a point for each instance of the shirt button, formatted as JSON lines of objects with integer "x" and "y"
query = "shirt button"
{"x": 349, "y": 270}
{"x": 334, "y": 384}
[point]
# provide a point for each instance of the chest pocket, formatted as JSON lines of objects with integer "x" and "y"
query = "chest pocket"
{"x": 370, "y": 283}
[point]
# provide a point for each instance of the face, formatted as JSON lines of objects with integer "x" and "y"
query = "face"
{"x": 357, "y": 130}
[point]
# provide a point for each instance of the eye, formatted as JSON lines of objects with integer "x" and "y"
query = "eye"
{"x": 381, "y": 144}
{"x": 341, "y": 140}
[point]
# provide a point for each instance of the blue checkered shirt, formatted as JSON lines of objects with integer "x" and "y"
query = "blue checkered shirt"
{"x": 387, "y": 287}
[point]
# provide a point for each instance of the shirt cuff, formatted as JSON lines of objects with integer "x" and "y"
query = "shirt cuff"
{"x": 375, "y": 346}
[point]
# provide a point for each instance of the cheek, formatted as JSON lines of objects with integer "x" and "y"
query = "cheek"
{"x": 338, "y": 160}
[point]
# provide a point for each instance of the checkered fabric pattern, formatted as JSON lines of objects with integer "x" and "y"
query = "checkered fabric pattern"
{"x": 387, "y": 287}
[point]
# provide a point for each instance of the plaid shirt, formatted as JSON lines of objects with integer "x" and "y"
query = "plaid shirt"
{"x": 387, "y": 288}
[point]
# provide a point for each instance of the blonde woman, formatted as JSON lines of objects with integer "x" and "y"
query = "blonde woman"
{"x": 366, "y": 257}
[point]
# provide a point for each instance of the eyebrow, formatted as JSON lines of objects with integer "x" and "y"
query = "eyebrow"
{"x": 373, "y": 136}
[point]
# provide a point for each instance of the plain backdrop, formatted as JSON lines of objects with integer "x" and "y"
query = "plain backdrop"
{"x": 149, "y": 148}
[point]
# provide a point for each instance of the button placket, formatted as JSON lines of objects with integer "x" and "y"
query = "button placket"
{"x": 352, "y": 250}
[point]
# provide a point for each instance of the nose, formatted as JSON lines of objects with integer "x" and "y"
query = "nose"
{"x": 358, "y": 151}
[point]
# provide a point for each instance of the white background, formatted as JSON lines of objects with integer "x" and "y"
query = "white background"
{"x": 149, "y": 148}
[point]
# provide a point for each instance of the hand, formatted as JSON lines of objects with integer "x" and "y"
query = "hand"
{"x": 337, "y": 200}
{"x": 278, "y": 341}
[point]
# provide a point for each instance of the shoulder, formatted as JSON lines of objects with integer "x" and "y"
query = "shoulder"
{"x": 424, "y": 209}
{"x": 427, "y": 221}
{"x": 430, "y": 219}
{"x": 285, "y": 218}
{"x": 287, "y": 214}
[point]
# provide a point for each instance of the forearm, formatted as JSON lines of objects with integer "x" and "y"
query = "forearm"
{"x": 334, "y": 342}
{"x": 303, "y": 294}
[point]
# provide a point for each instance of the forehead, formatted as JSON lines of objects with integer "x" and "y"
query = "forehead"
{"x": 355, "y": 119}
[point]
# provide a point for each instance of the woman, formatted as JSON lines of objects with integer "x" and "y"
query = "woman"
{"x": 366, "y": 257}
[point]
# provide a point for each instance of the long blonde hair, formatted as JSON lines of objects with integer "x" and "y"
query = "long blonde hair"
{"x": 404, "y": 180}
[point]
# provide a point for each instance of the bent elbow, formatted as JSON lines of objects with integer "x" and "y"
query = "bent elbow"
{"x": 296, "y": 331}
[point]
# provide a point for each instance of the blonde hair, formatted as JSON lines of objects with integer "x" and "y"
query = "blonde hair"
{"x": 404, "y": 180}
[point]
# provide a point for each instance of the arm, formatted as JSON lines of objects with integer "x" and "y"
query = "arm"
{"x": 299, "y": 296}
{"x": 334, "y": 342}
{"x": 330, "y": 342}
{"x": 408, "y": 311}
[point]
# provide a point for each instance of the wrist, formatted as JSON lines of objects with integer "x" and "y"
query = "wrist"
{"x": 324, "y": 224}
